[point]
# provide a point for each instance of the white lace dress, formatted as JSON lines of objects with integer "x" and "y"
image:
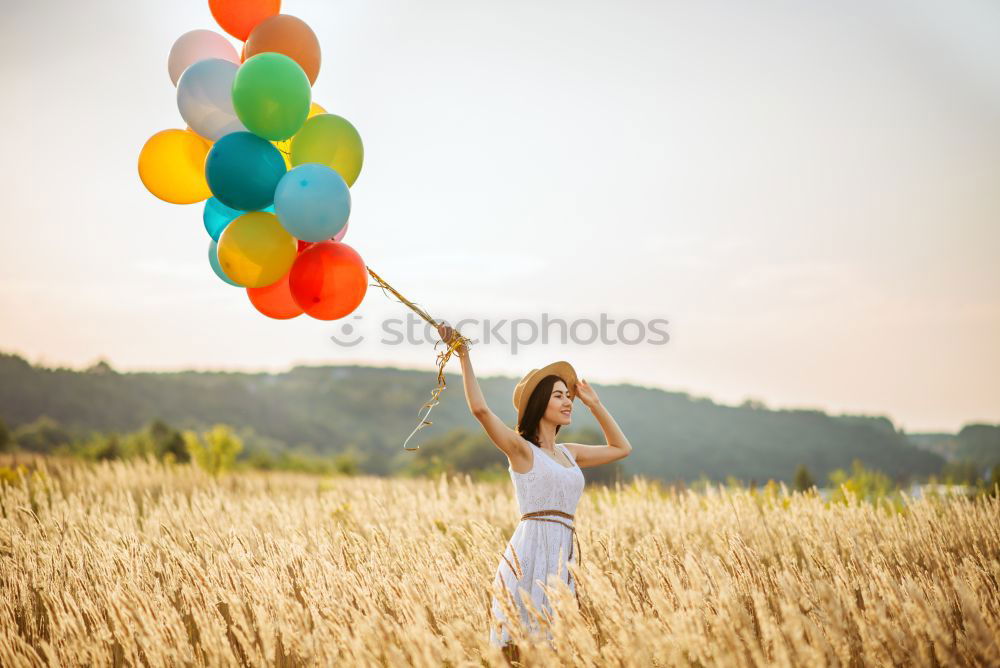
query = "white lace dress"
{"x": 541, "y": 547}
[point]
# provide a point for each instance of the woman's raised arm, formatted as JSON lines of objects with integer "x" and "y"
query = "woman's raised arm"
{"x": 618, "y": 446}
{"x": 505, "y": 438}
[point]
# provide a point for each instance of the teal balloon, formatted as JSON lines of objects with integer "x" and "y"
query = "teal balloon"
{"x": 243, "y": 170}
{"x": 271, "y": 95}
{"x": 217, "y": 215}
{"x": 312, "y": 202}
{"x": 213, "y": 259}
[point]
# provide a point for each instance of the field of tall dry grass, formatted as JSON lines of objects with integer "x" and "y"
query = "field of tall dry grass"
{"x": 145, "y": 564}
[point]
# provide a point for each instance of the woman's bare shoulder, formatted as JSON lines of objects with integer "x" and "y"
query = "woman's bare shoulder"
{"x": 524, "y": 456}
{"x": 571, "y": 447}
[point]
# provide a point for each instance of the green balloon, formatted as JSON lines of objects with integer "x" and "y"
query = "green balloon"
{"x": 330, "y": 140}
{"x": 271, "y": 95}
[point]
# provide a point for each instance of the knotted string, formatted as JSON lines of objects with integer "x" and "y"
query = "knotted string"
{"x": 456, "y": 342}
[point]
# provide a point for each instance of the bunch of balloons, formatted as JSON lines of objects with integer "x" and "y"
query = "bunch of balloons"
{"x": 273, "y": 168}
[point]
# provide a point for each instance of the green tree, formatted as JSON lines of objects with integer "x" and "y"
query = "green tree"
{"x": 347, "y": 463}
{"x": 216, "y": 449}
{"x": 108, "y": 447}
{"x": 865, "y": 484}
{"x": 994, "y": 481}
{"x": 169, "y": 442}
{"x": 803, "y": 479}
{"x": 455, "y": 451}
{"x": 5, "y": 441}
{"x": 97, "y": 446}
{"x": 963, "y": 471}
{"x": 43, "y": 435}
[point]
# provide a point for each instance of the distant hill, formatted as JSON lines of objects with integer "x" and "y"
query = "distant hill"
{"x": 979, "y": 443}
{"x": 940, "y": 442}
{"x": 332, "y": 408}
{"x": 975, "y": 443}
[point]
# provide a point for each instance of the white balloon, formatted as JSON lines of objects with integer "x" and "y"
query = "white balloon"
{"x": 198, "y": 45}
{"x": 205, "y": 100}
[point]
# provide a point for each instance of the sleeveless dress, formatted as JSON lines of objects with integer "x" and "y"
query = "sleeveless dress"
{"x": 540, "y": 547}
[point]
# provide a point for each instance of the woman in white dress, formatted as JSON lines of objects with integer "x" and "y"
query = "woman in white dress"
{"x": 547, "y": 480}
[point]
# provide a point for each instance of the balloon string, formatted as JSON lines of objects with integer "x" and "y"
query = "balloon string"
{"x": 442, "y": 359}
{"x": 285, "y": 146}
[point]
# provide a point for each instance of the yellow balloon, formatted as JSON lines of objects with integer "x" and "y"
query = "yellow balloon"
{"x": 255, "y": 250}
{"x": 332, "y": 141}
{"x": 315, "y": 109}
{"x": 172, "y": 166}
{"x": 285, "y": 145}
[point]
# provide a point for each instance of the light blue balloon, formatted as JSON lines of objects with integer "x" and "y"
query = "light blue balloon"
{"x": 217, "y": 216}
{"x": 213, "y": 259}
{"x": 205, "y": 98}
{"x": 313, "y": 202}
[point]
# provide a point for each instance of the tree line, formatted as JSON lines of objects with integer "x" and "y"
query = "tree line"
{"x": 313, "y": 414}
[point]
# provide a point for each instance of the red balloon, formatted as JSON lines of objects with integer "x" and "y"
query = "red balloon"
{"x": 275, "y": 300}
{"x": 304, "y": 244}
{"x": 328, "y": 280}
{"x": 239, "y": 17}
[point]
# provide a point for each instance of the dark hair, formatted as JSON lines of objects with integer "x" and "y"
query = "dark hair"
{"x": 527, "y": 427}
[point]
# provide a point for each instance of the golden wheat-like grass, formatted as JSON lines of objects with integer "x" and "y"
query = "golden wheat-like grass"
{"x": 144, "y": 564}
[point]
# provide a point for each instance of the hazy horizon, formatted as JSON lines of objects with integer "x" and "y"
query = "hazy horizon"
{"x": 809, "y": 194}
{"x": 456, "y": 392}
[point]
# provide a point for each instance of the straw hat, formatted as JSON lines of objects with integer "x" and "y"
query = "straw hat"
{"x": 527, "y": 384}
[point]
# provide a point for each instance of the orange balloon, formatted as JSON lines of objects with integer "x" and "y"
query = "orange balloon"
{"x": 239, "y": 17}
{"x": 288, "y": 35}
{"x": 275, "y": 300}
{"x": 328, "y": 280}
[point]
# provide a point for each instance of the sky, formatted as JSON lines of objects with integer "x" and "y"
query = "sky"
{"x": 806, "y": 192}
